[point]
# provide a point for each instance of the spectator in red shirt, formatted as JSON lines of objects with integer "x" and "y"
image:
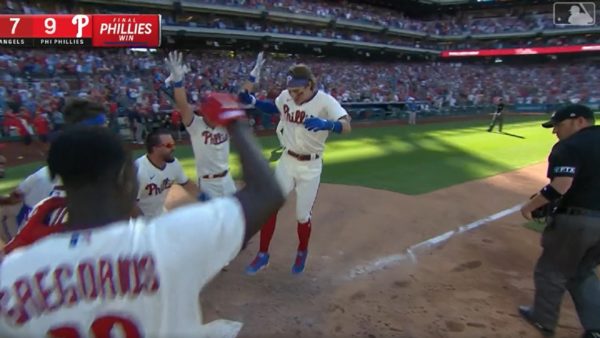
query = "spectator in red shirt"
{"x": 176, "y": 123}
{"x": 42, "y": 126}
{"x": 13, "y": 121}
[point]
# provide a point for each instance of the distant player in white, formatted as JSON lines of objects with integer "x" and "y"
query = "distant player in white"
{"x": 157, "y": 171}
{"x": 308, "y": 115}
{"x": 32, "y": 190}
{"x": 209, "y": 142}
{"x": 108, "y": 277}
{"x": 38, "y": 185}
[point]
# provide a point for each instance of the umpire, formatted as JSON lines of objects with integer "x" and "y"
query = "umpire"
{"x": 498, "y": 117}
{"x": 571, "y": 239}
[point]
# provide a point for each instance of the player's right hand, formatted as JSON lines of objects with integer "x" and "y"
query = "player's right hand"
{"x": 177, "y": 69}
{"x": 255, "y": 73}
{"x": 221, "y": 109}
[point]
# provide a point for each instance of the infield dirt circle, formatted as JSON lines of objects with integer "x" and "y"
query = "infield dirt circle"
{"x": 468, "y": 286}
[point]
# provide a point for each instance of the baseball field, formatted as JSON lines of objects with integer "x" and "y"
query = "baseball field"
{"x": 416, "y": 233}
{"x": 410, "y": 160}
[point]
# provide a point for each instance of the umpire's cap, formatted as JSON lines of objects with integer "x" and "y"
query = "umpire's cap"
{"x": 569, "y": 112}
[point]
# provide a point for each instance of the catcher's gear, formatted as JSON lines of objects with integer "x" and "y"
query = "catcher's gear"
{"x": 255, "y": 73}
{"x": 221, "y": 108}
{"x": 175, "y": 65}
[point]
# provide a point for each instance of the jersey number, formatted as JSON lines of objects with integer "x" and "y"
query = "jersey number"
{"x": 101, "y": 327}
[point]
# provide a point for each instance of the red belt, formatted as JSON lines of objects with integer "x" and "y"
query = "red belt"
{"x": 303, "y": 157}
{"x": 216, "y": 175}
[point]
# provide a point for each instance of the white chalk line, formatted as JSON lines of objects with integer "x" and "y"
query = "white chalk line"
{"x": 411, "y": 253}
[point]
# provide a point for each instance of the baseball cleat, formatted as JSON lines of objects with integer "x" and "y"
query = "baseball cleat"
{"x": 260, "y": 262}
{"x": 299, "y": 263}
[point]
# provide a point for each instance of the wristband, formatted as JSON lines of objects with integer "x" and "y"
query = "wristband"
{"x": 550, "y": 193}
{"x": 178, "y": 84}
{"x": 337, "y": 127}
{"x": 252, "y": 78}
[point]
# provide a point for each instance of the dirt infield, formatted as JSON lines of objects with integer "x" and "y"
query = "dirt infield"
{"x": 469, "y": 286}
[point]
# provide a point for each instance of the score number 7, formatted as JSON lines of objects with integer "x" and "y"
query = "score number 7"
{"x": 15, "y": 24}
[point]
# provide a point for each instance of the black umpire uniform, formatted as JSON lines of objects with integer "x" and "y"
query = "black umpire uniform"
{"x": 571, "y": 239}
{"x": 498, "y": 117}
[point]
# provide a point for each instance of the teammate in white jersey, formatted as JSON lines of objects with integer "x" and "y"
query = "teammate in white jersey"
{"x": 38, "y": 186}
{"x": 157, "y": 171}
{"x": 210, "y": 143}
{"x": 109, "y": 277}
{"x": 308, "y": 115}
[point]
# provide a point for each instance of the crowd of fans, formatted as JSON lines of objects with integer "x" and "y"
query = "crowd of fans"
{"x": 39, "y": 80}
{"x": 515, "y": 19}
{"x": 35, "y": 83}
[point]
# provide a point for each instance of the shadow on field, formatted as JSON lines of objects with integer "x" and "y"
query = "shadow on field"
{"x": 513, "y": 135}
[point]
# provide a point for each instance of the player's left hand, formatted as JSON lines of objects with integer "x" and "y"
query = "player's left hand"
{"x": 317, "y": 124}
{"x": 255, "y": 73}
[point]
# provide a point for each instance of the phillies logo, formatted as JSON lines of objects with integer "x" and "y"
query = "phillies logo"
{"x": 80, "y": 21}
{"x": 154, "y": 189}
{"x": 294, "y": 117}
{"x": 216, "y": 138}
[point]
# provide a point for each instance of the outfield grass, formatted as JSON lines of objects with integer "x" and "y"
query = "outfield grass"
{"x": 407, "y": 159}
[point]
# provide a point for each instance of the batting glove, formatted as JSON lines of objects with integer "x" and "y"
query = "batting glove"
{"x": 317, "y": 124}
{"x": 177, "y": 69}
{"x": 255, "y": 73}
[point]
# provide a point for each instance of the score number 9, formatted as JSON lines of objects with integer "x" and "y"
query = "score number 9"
{"x": 50, "y": 25}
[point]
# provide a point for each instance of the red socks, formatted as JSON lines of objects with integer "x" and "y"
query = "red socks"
{"x": 303, "y": 235}
{"x": 266, "y": 232}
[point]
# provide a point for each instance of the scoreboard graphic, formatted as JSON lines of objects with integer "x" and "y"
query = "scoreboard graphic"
{"x": 73, "y": 30}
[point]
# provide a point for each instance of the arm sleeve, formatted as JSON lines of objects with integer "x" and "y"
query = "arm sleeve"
{"x": 207, "y": 236}
{"x": 563, "y": 162}
{"x": 266, "y": 106}
{"x": 335, "y": 111}
{"x": 194, "y": 126}
{"x": 30, "y": 181}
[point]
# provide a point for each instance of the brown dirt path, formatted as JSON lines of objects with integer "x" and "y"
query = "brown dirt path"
{"x": 469, "y": 286}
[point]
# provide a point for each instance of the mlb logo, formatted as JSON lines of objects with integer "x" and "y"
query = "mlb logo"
{"x": 575, "y": 13}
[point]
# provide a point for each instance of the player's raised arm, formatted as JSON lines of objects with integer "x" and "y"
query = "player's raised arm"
{"x": 246, "y": 97}
{"x": 177, "y": 69}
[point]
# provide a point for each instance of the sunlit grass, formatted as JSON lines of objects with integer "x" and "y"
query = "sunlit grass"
{"x": 407, "y": 159}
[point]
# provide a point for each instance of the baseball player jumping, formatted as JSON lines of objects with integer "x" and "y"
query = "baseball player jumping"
{"x": 210, "y": 143}
{"x": 308, "y": 115}
{"x": 109, "y": 277}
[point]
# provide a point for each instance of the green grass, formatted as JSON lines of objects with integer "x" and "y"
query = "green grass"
{"x": 410, "y": 160}
{"x": 535, "y": 226}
